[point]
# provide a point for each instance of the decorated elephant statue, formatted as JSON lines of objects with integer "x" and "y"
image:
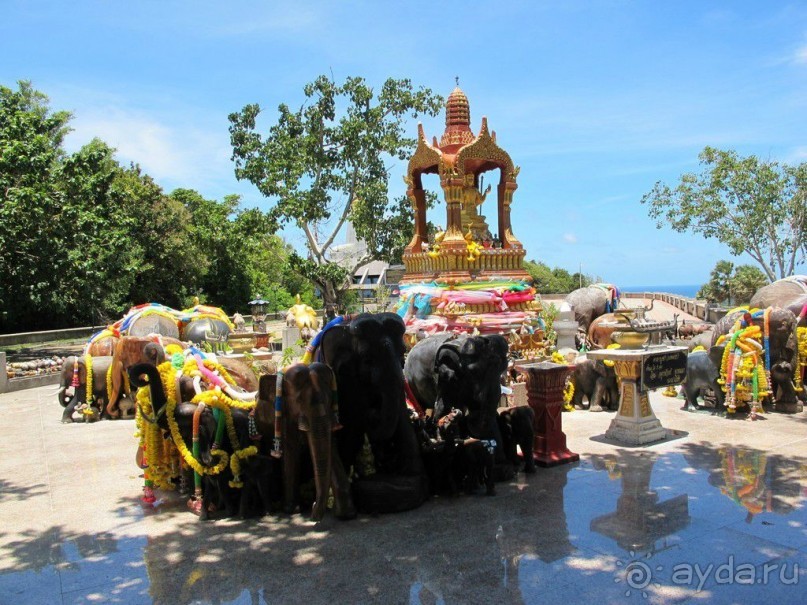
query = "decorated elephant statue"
{"x": 303, "y": 428}
{"x": 448, "y": 372}
{"x": 780, "y": 293}
{"x": 102, "y": 344}
{"x": 366, "y": 354}
{"x": 204, "y": 324}
{"x": 187, "y": 424}
{"x": 73, "y": 394}
{"x": 777, "y": 342}
{"x": 206, "y": 329}
{"x": 129, "y": 351}
{"x": 592, "y": 301}
{"x": 596, "y": 381}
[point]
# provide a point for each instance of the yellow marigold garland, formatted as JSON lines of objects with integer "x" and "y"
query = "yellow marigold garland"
{"x": 160, "y": 470}
{"x": 568, "y": 394}
{"x": 191, "y": 369}
{"x": 186, "y": 454}
{"x": 87, "y": 409}
{"x": 558, "y": 358}
{"x": 235, "y": 464}
{"x": 152, "y": 441}
{"x": 109, "y": 381}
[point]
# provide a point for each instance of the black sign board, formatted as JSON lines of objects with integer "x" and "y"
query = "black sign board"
{"x": 664, "y": 369}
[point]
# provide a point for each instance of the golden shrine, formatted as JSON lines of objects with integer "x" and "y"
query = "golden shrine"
{"x": 466, "y": 279}
{"x": 465, "y": 250}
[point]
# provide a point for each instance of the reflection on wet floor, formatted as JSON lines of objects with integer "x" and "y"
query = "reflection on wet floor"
{"x": 572, "y": 532}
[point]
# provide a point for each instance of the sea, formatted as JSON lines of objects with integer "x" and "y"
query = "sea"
{"x": 687, "y": 291}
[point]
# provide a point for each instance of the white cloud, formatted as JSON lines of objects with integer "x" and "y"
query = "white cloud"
{"x": 173, "y": 153}
{"x": 570, "y": 238}
{"x": 800, "y": 56}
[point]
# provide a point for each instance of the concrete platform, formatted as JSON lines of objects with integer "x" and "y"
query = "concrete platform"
{"x": 624, "y": 525}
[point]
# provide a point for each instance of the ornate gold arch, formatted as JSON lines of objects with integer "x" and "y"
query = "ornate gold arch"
{"x": 484, "y": 148}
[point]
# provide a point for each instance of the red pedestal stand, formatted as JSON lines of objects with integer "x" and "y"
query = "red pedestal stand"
{"x": 545, "y": 382}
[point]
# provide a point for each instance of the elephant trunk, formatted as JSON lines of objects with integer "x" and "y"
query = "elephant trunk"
{"x": 61, "y": 395}
{"x": 153, "y": 381}
{"x": 319, "y": 443}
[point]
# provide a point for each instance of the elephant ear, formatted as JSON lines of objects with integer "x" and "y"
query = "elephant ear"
{"x": 393, "y": 324}
{"x": 499, "y": 349}
{"x": 365, "y": 330}
{"x": 265, "y": 404}
{"x": 447, "y": 366}
{"x": 154, "y": 353}
{"x": 322, "y": 382}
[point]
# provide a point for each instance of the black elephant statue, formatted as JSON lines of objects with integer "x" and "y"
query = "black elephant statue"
{"x": 596, "y": 381}
{"x": 461, "y": 372}
{"x": 366, "y": 353}
{"x": 209, "y": 330}
{"x": 73, "y": 386}
{"x": 306, "y": 417}
{"x": 783, "y": 351}
{"x": 703, "y": 372}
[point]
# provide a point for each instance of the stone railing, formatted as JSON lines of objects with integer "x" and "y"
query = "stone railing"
{"x": 699, "y": 308}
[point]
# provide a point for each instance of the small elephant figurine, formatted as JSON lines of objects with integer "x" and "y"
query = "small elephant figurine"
{"x": 74, "y": 370}
{"x": 703, "y": 371}
{"x": 597, "y": 382}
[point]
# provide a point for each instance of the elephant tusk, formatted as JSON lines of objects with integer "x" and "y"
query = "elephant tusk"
{"x": 240, "y": 396}
{"x": 197, "y": 384}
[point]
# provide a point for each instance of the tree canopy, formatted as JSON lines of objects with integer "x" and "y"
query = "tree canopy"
{"x": 732, "y": 285}
{"x": 554, "y": 281}
{"x": 326, "y": 163}
{"x": 753, "y": 206}
{"x": 83, "y": 238}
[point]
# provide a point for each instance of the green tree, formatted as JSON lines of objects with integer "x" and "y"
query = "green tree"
{"x": 554, "y": 281}
{"x": 98, "y": 262}
{"x": 325, "y": 164}
{"x": 718, "y": 288}
{"x": 241, "y": 255}
{"x": 732, "y": 285}
{"x": 30, "y": 150}
{"x": 746, "y": 281}
{"x": 750, "y": 205}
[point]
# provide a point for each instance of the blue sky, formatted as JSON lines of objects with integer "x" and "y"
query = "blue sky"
{"x": 596, "y": 101}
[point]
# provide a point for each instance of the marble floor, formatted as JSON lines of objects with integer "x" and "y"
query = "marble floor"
{"x": 715, "y": 514}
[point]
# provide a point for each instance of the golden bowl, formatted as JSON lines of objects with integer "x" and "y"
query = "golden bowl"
{"x": 630, "y": 340}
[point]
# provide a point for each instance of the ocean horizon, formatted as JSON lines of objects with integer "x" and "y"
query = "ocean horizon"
{"x": 688, "y": 291}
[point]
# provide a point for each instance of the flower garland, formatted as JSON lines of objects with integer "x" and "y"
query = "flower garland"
{"x": 86, "y": 407}
{"x": 159, "y": 472}
{"x": 186, "y": 454}
{"x": 191, "y": 369}
{"x": 235, "y": 464}
{"x": 109, "y": 382}
{"x": 568, "y": 394}
{"x": 745, "y": 365}
{"x": 215, "y": 398}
